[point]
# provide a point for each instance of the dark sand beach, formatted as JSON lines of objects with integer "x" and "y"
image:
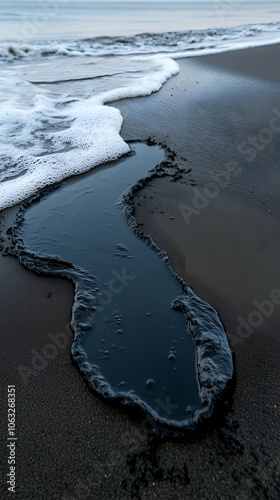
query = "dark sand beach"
{"x": 71, "y": 444}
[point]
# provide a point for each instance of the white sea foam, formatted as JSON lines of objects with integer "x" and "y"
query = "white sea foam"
{"x": 146, "y": 43}
{"x": 54, "y": 121}
{"x": 50, "y": 139}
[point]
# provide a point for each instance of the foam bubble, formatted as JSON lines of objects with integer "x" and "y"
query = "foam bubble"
{"x": 48, "y": 135}
{"x": 152, "y": 43}
{"x": 47, "y": 140}
{"x": 91, "y": 138}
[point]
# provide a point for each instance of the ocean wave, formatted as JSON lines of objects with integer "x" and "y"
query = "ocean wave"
{"x": 53, "y": 122}
{"x": 33, "y": 137}
{"x": 146, "y": 43}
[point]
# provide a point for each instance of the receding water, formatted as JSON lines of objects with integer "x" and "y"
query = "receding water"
{"x": 134, "y": 343}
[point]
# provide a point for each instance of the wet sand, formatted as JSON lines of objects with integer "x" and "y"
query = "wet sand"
{"x": 224, "y": 239}
{"x": 73, "y": 445}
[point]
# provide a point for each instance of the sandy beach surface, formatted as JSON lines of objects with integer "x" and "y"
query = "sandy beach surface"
{"x": 71, "y": 444}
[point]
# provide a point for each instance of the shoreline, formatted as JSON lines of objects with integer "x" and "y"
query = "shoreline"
{"x": 244, "y": 103}
{"x": 210, "y": 456}
{"x": 214, "y": 366}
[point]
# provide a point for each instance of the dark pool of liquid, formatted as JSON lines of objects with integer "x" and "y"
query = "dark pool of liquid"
{"x": 132, "y": 343}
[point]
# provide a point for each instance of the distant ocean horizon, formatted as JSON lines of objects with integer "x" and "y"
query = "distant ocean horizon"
{"x": 73, "y": 19}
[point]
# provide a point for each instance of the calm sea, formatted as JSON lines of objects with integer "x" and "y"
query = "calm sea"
{"x": 56, "y": 19}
